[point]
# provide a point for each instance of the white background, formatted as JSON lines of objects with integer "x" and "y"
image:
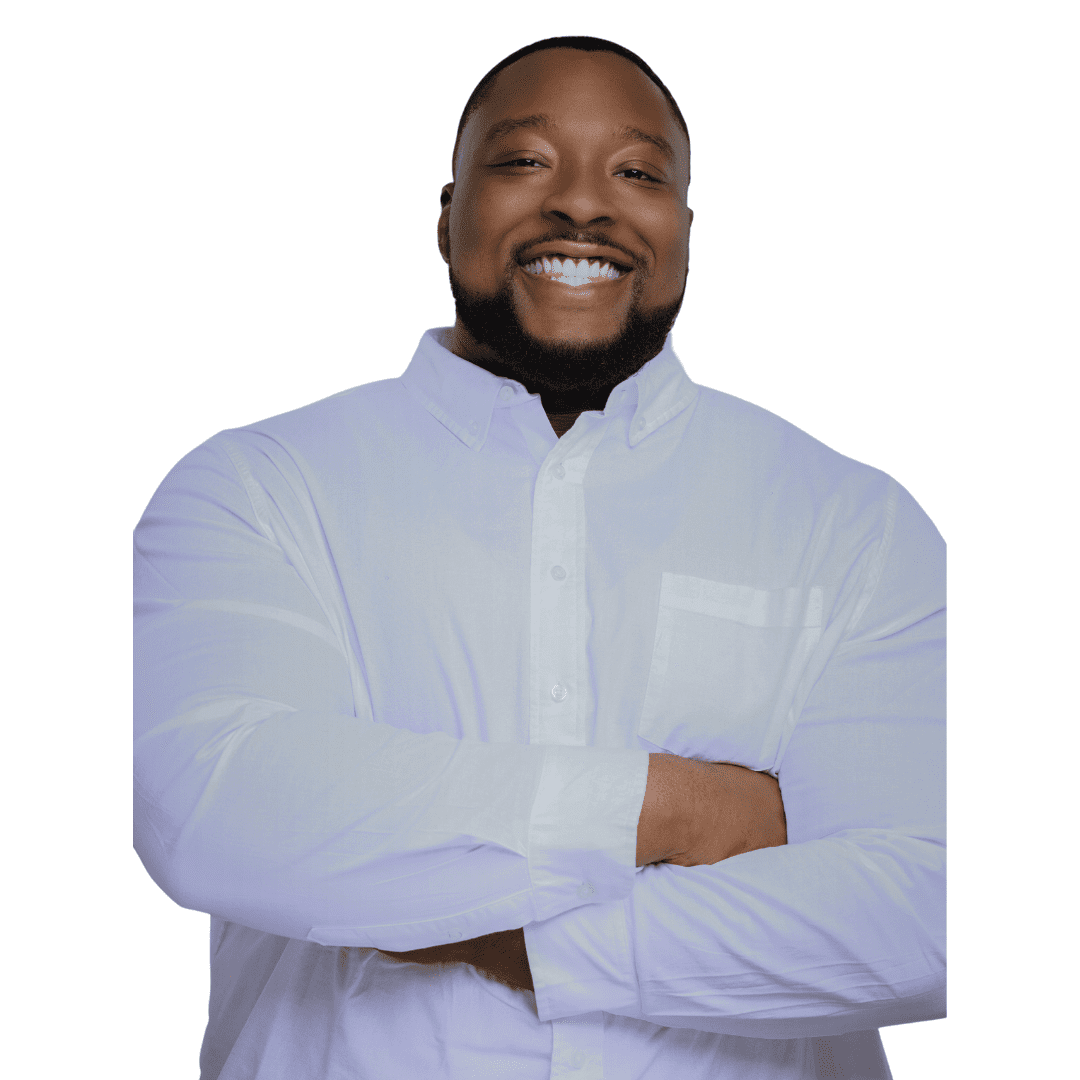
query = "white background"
{"x": 214, "y": 212}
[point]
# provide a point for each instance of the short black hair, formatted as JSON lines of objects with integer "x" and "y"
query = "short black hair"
{"x": 583, "y": 44}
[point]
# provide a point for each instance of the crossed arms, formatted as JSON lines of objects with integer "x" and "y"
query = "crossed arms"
{"x": 695, "y": 813}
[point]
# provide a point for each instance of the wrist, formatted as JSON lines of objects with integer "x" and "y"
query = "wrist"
{"x": 662, "y": 821}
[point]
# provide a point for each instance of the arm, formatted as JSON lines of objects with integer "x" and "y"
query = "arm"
{"x": 267, "y": 794}
{"x": 697, "y": 813}
{"x": 694, "y": 813}
{"x": 840, "y": 930}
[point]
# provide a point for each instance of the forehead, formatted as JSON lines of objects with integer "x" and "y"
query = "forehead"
{"x": 580, "y": 91}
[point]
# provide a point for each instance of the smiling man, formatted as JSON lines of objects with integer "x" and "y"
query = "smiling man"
{"x": 541, "y": 713}
{"x": 566, "y": 228}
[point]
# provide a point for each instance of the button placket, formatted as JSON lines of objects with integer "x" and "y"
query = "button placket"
{"x": 578, "y": 1047}
{"x": 555, "y": 526}
{"x": 560, "y": 693}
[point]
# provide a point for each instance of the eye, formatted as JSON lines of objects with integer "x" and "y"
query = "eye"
{"x": 638, "y": 174}
{"x": 520, "y": 163}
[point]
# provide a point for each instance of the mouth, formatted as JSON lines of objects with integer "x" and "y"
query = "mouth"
{"x": 574, "y": 272}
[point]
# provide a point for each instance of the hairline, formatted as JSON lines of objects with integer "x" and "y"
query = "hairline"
{"x": 482, "y": 90}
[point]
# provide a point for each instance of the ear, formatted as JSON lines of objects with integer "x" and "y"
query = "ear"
{"x": 444, "y": 222}
{"x": 691, "y": 217}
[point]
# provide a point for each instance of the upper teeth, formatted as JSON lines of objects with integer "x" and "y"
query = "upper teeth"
{"x": 573, "y": 271}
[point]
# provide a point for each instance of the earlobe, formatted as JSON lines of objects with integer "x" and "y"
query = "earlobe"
{"x": 691, "y": 217}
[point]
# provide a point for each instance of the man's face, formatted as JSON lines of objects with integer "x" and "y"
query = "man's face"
{"x": 573, "y": 156}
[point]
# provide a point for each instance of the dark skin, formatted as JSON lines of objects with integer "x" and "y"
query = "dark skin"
{"x": 566, "y": 141}
{"x": 610, "y": 157}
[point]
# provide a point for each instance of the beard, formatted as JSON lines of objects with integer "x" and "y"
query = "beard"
{"x": 569, "y": 376}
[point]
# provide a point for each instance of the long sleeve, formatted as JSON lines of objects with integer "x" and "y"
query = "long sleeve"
{"x": 265, "y": 791}
{"x": 842, "y": 929}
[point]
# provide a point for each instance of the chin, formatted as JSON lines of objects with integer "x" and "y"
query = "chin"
{"x": 573, "y": 325}
{"x": 566, "y": 352}
{"x": 575, "y": 338}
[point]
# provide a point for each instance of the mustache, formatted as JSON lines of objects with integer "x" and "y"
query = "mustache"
{"x": 579, "y": 236}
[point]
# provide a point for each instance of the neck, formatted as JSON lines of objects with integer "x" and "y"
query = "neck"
{"x": 562, "y": 405}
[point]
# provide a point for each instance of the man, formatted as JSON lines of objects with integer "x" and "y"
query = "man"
{"x": 466, "y": 700}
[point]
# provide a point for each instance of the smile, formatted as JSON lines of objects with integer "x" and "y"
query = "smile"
{"x": 573, "y": 271}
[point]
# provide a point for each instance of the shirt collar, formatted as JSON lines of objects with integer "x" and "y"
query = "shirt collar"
{"x": 462, "y": 396}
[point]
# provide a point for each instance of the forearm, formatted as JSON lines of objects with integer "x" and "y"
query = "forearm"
{"x": 300, "y": 821}
{"x": 319, "y": 826}
{"x": 692, "y": 811}
{"x": 699, "y": 812}
{"x": 809, "y": 939}
{"x": 500, "y": 956}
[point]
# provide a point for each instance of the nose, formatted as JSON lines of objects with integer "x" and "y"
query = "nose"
{"x": 581, "y": 200}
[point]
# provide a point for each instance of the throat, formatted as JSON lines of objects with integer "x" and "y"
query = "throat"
{"x": 564, "y": 407}
{"x": 562, "y": 422}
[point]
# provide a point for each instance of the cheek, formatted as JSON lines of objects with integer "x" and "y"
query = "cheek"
{"x": 479, "y": 228}
{"x": 669, "y": 238}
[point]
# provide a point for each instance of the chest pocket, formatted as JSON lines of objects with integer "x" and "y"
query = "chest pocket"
{"x": 726, "y": 666}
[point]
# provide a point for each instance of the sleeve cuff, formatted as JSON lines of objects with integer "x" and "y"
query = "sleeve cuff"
{"x": 583, "y": 829}
{"x": 582, "y": 961}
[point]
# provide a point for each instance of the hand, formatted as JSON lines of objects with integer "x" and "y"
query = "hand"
{"x": 700, "y": 812}
{"x": 500, "y": 956}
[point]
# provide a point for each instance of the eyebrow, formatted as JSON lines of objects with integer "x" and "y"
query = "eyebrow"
{"x": 637, "y": 135}
{"x": 504, "y": 127}
{"x": 543, "y": 121}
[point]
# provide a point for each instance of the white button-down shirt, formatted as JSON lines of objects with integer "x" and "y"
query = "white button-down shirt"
{"x": 402, "y": 655}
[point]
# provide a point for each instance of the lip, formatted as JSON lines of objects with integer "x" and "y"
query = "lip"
{"x": 574, "y": 250}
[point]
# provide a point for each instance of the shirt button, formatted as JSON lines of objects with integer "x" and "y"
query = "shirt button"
{"x": 585, "y": 889}
{"x": 558, "y": 573}
{"x": 558, "y": 472}
{"x": 641, "y": 423}
{"x": 506, "y": 393}
{"x": 474, "y": 427}
{"x": 559, "y": 692}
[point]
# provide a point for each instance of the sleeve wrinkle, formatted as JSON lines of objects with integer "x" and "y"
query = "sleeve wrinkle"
{"x": 251, "y": 489}
{"x": 893, "y": 631}
{"x": 153, "y": 567}
{"x": 878, "y": 563}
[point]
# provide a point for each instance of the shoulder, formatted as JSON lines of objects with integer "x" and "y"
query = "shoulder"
{"x": 287, "y": 447}
{"x": 774, "y": 453}
{"x": 320, "y": 430}
{"x": 831, "y": 509}
{"x": 338, "y": 414}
